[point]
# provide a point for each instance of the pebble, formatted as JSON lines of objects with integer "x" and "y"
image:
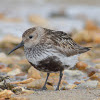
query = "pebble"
{"x": 71, "y": 86}
{"x": 74, "y": 74}
{"x": 77, "y": 83}
{"x": 6, "y": 70}
{"x": 14, "y": 72}
{"x": 49, "y": 87}
{"x": 96, "y": 76}
{"x": 81, "y": 65}
{"x": 37, "y": 84}
{"x": 6, "y": 94}
{"x": 88, "y": 84}
{"x": 97, "y": 66}
{"x": 24, "y": 81}
{"x": 21, "y": 90}
{"x": 33, "y": 73}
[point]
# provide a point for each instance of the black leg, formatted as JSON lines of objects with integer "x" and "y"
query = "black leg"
{"x": 60, "y": 77}
{"x": 44, "y": 87}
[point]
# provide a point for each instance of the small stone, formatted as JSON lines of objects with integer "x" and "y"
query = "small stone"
{"x": 88, "y": 84}
{"x": 24, "y": 81}
{"x": 21, "y": 74}
{"x": 21, "y": 90}
{"x": 97, "y": 66}
{"x": 7, "y": 86}
{"x": 33, "y": 73}
{"x": 52, "y": 75}
{"x": 23, "y": 62}
{"x": 81, "y": 65}
{"x": 2, "y": 65}
{"x": 64, "y": 82}
{"x": 27, "y": 92}
{"x": 96, "y": 76}
{"x": 74, "y": 74}
{"x": 91, "y": 73}
{"x": 37, "y": 84}
{"x": 71, "y": 86}
{"x": 49, "y": 87}
{"x": 6, "y": 94}
{"x": 82, "y": 81}
{"x": 14, "y": 72}
{"x": 17, "y": 90}
{"x": 77, "y": 83}
{"x": 50, "y": 81}
{"x": 6, "y": 70}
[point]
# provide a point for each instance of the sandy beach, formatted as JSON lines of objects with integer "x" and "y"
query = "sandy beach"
{"x": 75, "y": 94}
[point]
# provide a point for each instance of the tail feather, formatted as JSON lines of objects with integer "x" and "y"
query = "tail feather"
{"x": 84, "y": 49}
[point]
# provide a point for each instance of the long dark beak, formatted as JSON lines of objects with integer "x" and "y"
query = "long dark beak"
{"x": 18, "y": 46}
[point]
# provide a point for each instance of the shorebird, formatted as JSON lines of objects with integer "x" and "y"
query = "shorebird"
{"x": 50, "y": 51}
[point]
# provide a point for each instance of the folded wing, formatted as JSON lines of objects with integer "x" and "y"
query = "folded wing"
{"x": 65, "y": 44}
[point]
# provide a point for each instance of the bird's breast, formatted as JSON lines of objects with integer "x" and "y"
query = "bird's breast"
{"x": 49, "y": 57}
{"x": 36, "y": 55}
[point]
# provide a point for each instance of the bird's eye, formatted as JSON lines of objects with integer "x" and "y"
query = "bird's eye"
{"x": 30, "y": 36}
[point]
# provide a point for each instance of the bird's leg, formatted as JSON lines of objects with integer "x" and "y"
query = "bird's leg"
{"x": 60, "y": 77}
{"x": 44, "y": 87}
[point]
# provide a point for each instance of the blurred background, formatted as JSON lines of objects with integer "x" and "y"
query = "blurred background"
{"x": 18, "y": 15}
{"x": 79, "y": 18}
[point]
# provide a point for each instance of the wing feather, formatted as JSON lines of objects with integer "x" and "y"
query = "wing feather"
{"x": 64, "y": 43}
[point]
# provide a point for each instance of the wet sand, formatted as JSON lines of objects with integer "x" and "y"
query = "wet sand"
{"x": 75, "y": 94}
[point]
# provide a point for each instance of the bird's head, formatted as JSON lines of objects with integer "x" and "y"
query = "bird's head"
{"x": 30, "y": 37}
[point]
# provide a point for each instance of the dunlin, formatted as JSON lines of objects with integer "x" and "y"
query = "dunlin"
{"x": 50, "y": 51}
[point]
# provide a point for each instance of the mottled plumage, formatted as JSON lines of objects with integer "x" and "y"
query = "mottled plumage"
{"x": 50, "y": 51}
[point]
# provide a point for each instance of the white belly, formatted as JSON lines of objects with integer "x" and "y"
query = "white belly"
{"x": 71, "y": 61}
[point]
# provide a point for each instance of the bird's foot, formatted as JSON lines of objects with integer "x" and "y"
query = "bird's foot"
{"x": 57, "y": 89}
{"x": 44, "y": 88}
